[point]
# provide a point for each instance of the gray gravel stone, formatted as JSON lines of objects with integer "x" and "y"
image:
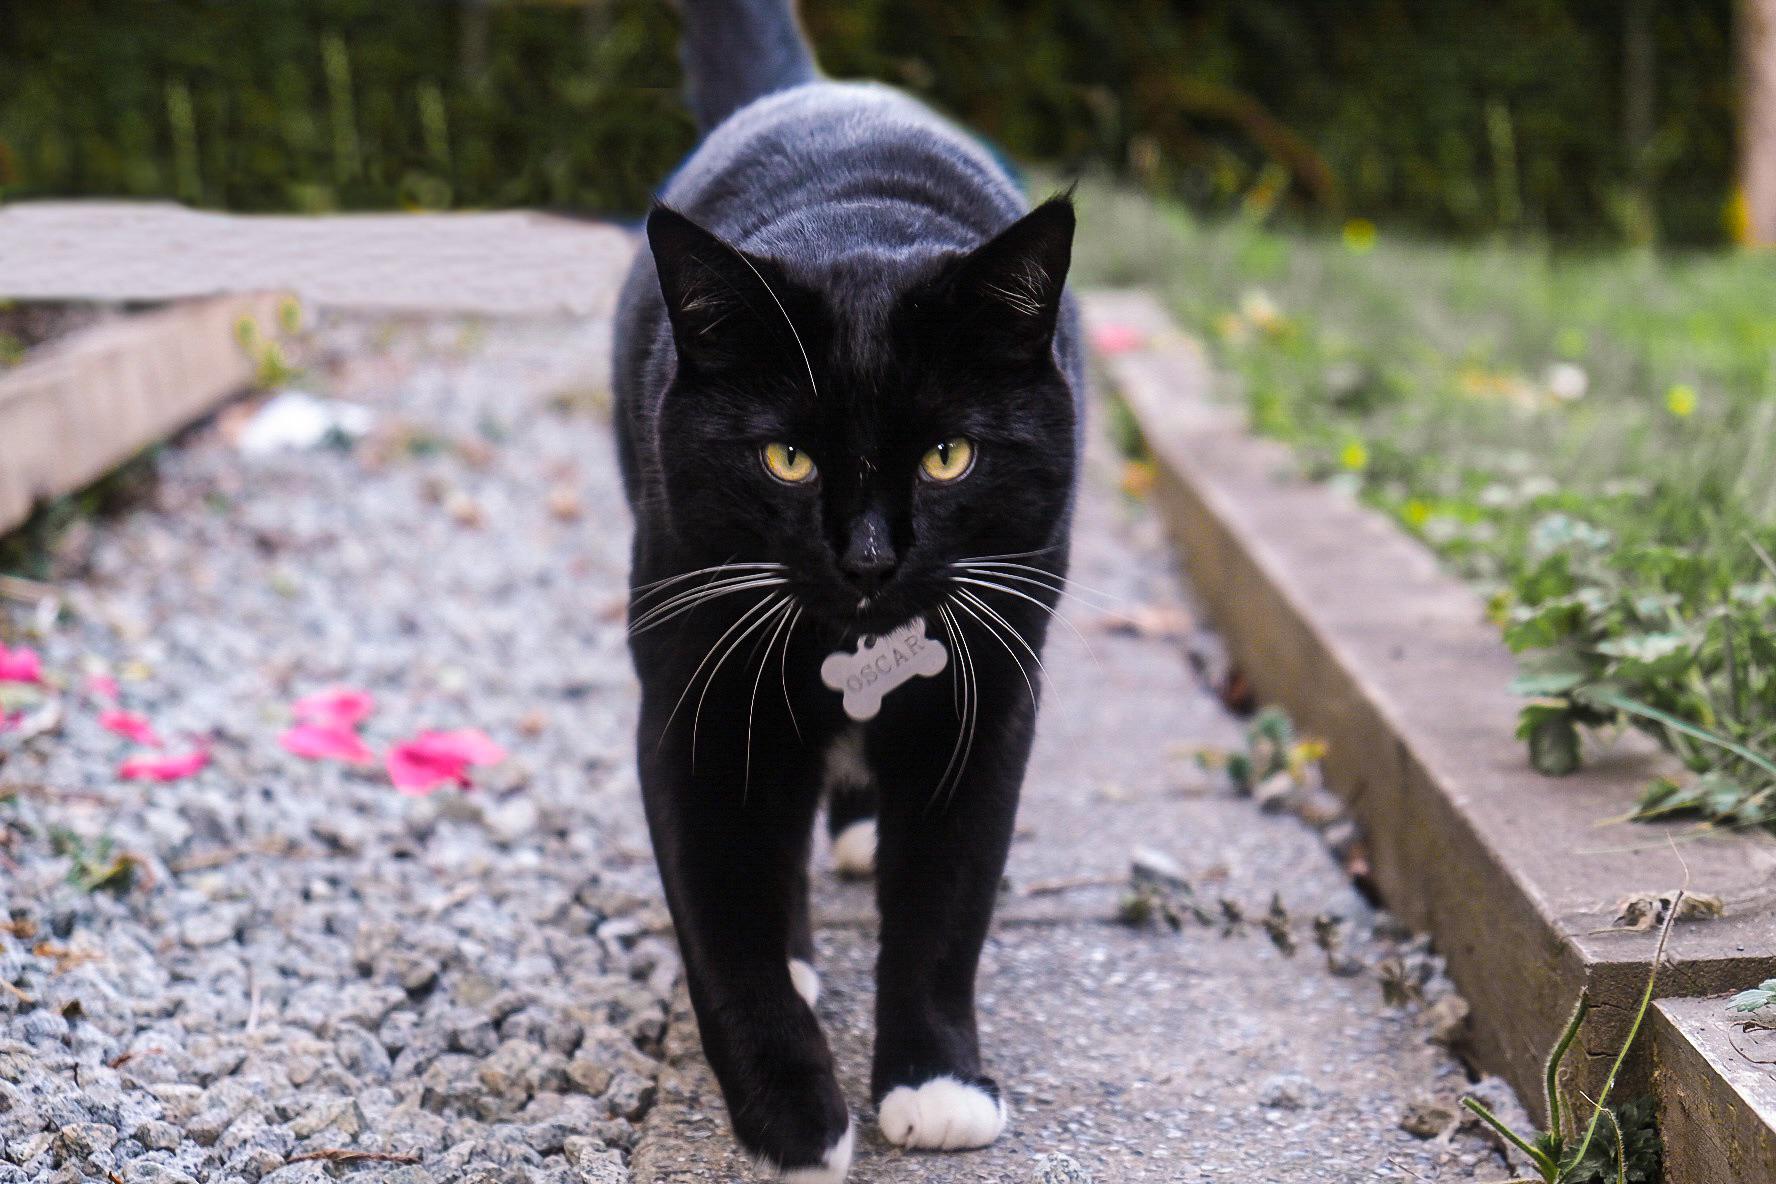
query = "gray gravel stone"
{"x": 312, "y": 960}
{"x": 1055, "y": 1168}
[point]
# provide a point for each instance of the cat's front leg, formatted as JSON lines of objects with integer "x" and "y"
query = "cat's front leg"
{"x": 733, "y": 857}
{"x": 941, "y": 854}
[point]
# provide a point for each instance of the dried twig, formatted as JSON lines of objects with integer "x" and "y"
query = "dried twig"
{"x": 347, "y": 1155}
{"x": 24, "y": 591}
{"x": 1068, "y": 883}
{"x": 124, "y": 1058}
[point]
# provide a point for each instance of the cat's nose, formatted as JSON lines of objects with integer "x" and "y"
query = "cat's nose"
{"x": 869, "y": 557}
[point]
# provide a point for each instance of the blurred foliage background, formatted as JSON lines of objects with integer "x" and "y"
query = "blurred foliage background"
{"x": 1606, "y": 120}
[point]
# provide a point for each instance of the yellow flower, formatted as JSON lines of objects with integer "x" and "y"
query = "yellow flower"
{"x": 1417, "y": 513}
{"x": 1680, "y": 400}
{"x": 1354, "y": 456}
{"x": 1233, "y": 328}
{"x": 1138, "y": 477}
{"x": 1737, "y": 218}
{"x": 1359, "y": 235}
{"x": 1260, "y": 310}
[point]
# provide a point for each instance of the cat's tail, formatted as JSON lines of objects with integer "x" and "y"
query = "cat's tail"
{"x": 735, "y": 51}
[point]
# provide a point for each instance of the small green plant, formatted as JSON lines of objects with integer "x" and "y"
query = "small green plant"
{"x": 1272, "y": 748}
{"x": 1569, "y": 1156}
{"x": 1584, "y": 437}
{"x": 96, "y": 866}
{"x": 1757, "y": 999}
{"x": 270, "y": 366}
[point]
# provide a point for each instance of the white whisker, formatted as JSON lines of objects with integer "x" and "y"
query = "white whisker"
{"x": 692, "y": 681}
{"x": 685, "y": 602}
{"x": 697, "y": 717}
{"x": 782, "y": 619}
{"x": 641, "y": 590}
{"x": 1011, "y": 629}
{"x": 1061, "y": 584}
{"x": 971, "y": 700}
{"x": 1006, "y": 645}
{"x": 1055, "y": 613}
{"x": 783, "y": 671}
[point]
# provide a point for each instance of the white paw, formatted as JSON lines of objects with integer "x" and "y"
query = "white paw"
{"x": 854, "y": 850}
{"x": 805, "y": 979}
{"x": 833, "y": 1165}
{"x": 943, "y": 1113}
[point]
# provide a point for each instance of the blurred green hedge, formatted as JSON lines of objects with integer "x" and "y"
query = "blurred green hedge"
{"x": 1456, "y": 116}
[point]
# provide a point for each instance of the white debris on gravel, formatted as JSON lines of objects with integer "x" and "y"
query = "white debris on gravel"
{"x": 472, "y": 985}
{"x": 294, "y": 420}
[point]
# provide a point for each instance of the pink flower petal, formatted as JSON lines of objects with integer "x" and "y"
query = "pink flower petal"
{"x": 419, "y": 772}
{"x": 338, "y": 707}
{"x": 1117, "y": 339}
{"x": 130, "y": 726}
{"x": 434, "y": 759}
{"x": 102, "y": 687}
{"x": 20, "y": 665}
{"x": 163, "y": 768}
{"x": 325, "y": 742}
{"x": 470, "y": 745}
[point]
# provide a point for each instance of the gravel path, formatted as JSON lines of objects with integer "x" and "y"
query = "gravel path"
{"x": 309, "y": 963}
{"x": 478, "y": 985}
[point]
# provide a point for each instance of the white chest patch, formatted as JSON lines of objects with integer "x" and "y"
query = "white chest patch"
{"x": 880, "y": 664}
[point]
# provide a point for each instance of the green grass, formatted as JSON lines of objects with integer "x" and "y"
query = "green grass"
{"x": 1591, "y": 438}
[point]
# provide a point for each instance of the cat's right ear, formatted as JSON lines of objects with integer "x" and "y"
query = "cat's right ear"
{"x": 716, "y": 297}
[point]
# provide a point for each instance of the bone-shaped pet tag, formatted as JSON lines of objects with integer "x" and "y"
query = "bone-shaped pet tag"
{"x": 879, "y": 664}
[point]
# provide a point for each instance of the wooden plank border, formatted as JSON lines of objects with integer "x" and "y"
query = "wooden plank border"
{"x": 81, "y": 406}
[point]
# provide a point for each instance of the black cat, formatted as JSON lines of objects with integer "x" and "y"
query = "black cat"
{"x": 849, "y": 419}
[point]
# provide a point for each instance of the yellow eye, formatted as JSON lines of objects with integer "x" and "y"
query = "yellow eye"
{"x": 950, "y": 460}
{"x": 788, "y": 463}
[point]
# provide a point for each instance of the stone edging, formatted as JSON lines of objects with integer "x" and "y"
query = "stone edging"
{"x": 1334, "y": 613}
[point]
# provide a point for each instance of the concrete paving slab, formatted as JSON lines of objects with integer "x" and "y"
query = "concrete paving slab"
{"x": 1354, "y": 626}
{"x": 1143, "y": 1057}
{"x": 507, "y": 263}
{"x": 1717, "y": 1096}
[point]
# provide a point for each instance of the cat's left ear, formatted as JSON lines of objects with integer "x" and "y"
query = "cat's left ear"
{"x": 1009, "y": 288}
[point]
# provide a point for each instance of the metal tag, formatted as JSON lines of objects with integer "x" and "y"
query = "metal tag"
{"x": 879, "y": 664}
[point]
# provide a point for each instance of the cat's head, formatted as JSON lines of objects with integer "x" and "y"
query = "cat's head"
{"x": 868, "y": 421}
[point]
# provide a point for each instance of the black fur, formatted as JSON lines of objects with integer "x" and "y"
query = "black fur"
{"x": 839, "y": 269}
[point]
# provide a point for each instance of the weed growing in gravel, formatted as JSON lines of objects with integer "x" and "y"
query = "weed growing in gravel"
{"x": 96, "y": 866}
{"x": 1567, "y": 1156}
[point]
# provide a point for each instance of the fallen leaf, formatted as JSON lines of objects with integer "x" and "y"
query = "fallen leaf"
{"x": 327, "y": 742}
{"x": 20, "y": 665}
{"x": 1163, "y": 622}
{"x": 564, "y": 502}
{"x": 464, "y": 510}
{"x": 1642, "y": 912}
{"x": 1139, "y": 477}
{"x": 163, "y": 768}
{"x": 130, "y": 726}
{"x": 335, "y": 707}
{"x": 434, "y": 759}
